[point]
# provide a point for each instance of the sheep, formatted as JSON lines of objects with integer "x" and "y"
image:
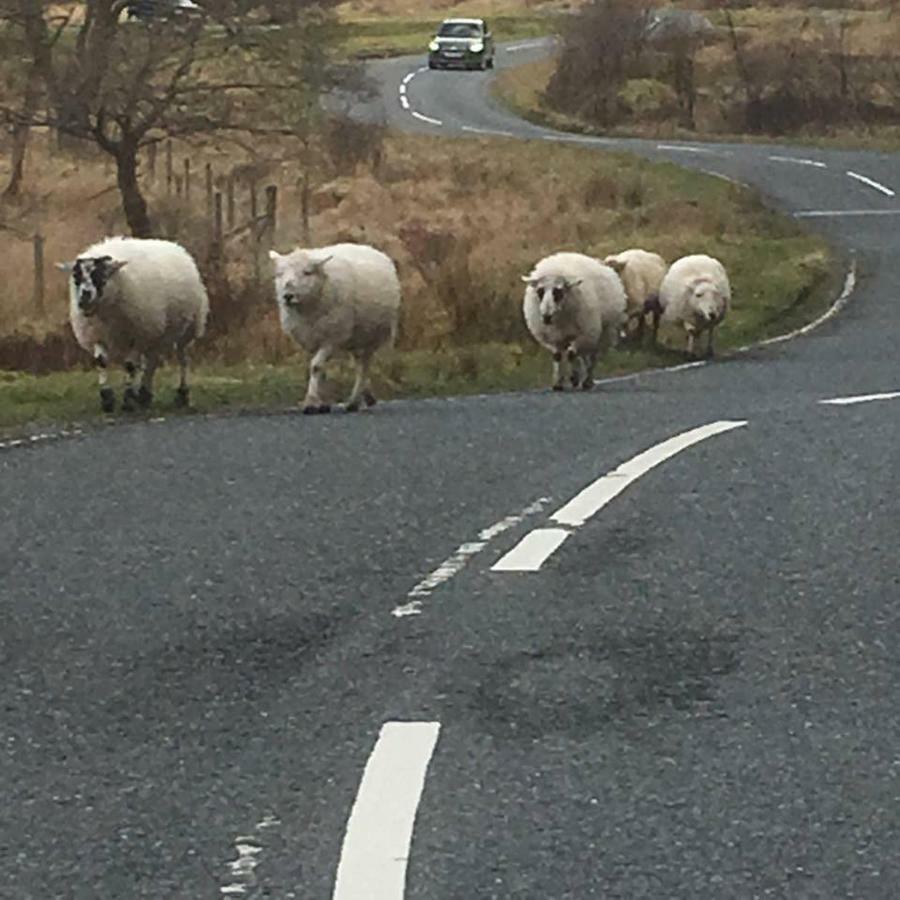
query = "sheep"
{"x": 343, "y": 297}
{"x": 574, "y": 305}
{"x": 641, "y": 273}
{"x": 696, "y": 293}
{"x": 134, "y": 299}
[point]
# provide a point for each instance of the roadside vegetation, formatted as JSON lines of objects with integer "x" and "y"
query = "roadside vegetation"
{"x": 463, "y": 219}
{"x": 817, "y": 73}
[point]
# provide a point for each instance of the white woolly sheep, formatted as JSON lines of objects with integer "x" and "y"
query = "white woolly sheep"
{"x": 345, "y": 297}
{"x": 642, "y": 273}
{"x": 696, "y": 294}
{"x": 574, "y": 306}
{"x": 134, "y": 300}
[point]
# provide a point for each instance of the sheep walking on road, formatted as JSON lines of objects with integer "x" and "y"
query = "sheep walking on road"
{"x": 134, "y": 300}
{"x": 345, "y": 297}
{"x": 642, "y": 273}
{"x": 696, "y": 294}
{"x": 574, "y": 305}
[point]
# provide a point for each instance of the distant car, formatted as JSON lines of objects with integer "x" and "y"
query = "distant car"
{"x": 462, "y": 44}
{"x": 163, "y": 9}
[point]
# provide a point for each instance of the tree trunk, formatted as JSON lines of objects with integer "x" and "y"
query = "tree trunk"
{"x": 133, "y": 201}
{"x": 20, "y": 133}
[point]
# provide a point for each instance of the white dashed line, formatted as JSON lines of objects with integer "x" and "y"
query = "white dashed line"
{"x": 242, "y": 870}
{"x": 408, "y": 78}
{"x": 402, "y": 89}
{"x": 454, "y": 564}
{"x": 862, "y": 398}
{"x": 404, "y": 101}
{"x": 827, "y": 213}
{"x": 798, "y": 161}
{"x": 375, "y": 851}
{"x": 40, "y": 438}
{"x": 427, "y": 119}
{"x": 532, "y": 552}
{"x": 872, "y": 184}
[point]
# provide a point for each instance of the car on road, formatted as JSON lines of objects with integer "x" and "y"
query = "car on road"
{"x": 462, "y": 44}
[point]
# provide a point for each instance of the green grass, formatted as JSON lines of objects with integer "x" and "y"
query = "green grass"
{"x": 381, "y": 38}
{"x": 786, "y": 297}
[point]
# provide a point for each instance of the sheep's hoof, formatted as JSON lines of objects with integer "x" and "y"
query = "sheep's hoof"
{"x": 107, "y": 400}
{"x": 129, "y": 400}
{"x": 324, "y": 408}
{"x": 310, "y": 410}
{"x": 575, "y": 381}
{"x": 352, "y": 407}
{"x": 587, "y": 384}
{"x": 144, "y": 397}
{"x": 182, "y": 397}
{"x": 370, "y": 398}
{"x": 559, "y": 387}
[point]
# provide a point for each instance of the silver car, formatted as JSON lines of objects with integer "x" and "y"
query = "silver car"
{"x": 462, "y": 44}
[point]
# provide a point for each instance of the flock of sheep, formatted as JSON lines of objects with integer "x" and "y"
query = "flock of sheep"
{"x": 134, "y": 300}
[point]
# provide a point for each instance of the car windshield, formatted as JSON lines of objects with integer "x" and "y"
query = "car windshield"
{"x": 459, "y": 29}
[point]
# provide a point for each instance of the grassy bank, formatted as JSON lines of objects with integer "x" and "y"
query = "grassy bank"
{"x": 464, "y": 220}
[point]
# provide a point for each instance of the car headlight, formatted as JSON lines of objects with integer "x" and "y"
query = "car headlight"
{"x": 433, "y": 46}
{"x": 476, "y": 46}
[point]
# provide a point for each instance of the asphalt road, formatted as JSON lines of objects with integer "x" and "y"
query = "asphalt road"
{"x": 694, "y": 696}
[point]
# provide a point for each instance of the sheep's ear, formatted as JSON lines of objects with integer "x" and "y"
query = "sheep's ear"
{"x": 114, "y": 265}
{"x": 531, "y": 282}
{"x": 66, "y": 266}
{"x": 615, "y": 264}
{"x": 572, "y": 282}
{"x": 319, "y": 264}
{"x": 274, "y": 255}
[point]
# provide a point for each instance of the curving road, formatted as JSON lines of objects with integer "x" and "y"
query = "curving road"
{"x": 238, "y": 656}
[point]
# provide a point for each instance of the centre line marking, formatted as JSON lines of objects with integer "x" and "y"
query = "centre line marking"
{"x": 539, "y": 545}
{"x": 872, "y": 184}
{"x": 375, "y": 851}
{"x": 862, "y": 398}
{"x": 684, "y": 148}
{"x": 798, "y": 161}
{"x": 458, "y": 561}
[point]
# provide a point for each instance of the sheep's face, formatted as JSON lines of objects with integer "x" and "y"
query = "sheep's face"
{"x": 706, "y": 302}
{"x": 90, "y": 277}
{"x": 552, "y": 293}
{"x": 299, "y": 279}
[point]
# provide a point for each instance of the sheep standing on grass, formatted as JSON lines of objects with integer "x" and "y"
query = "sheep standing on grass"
{"x": 345, "y": 297}
{"x": 574, "y": 306}
{"x": 134, "y": 300}
{"x": 642, "y": 274}
{"x": 696, "y": 294}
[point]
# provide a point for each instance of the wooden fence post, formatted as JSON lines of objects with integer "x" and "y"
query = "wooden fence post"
{"x": 218, "y": 237}
{"x": 229, "y": 188}
{"x": 169, "y": 167}
{"x": 38, "y": 243}
{"x": 187, "y": 179}
{"x": 254, "y": 232}
{"x": 209, "y": 190}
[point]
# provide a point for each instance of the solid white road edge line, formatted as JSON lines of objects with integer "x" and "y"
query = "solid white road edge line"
{"x": 684, "y": 148}
{"x": 872, "y": 184}
{"x": 798, "y": 161}
{"x": 862, "y": 398}
{"x": 823, "y": 213}
{"x": 454, "y": 564}
{"x": 427, "y": 119}
{"x": 375, "y": 851}
{"x": 532, "y": 552}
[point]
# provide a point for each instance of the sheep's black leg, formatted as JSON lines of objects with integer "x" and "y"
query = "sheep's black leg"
{"x": 107, "y": 395}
